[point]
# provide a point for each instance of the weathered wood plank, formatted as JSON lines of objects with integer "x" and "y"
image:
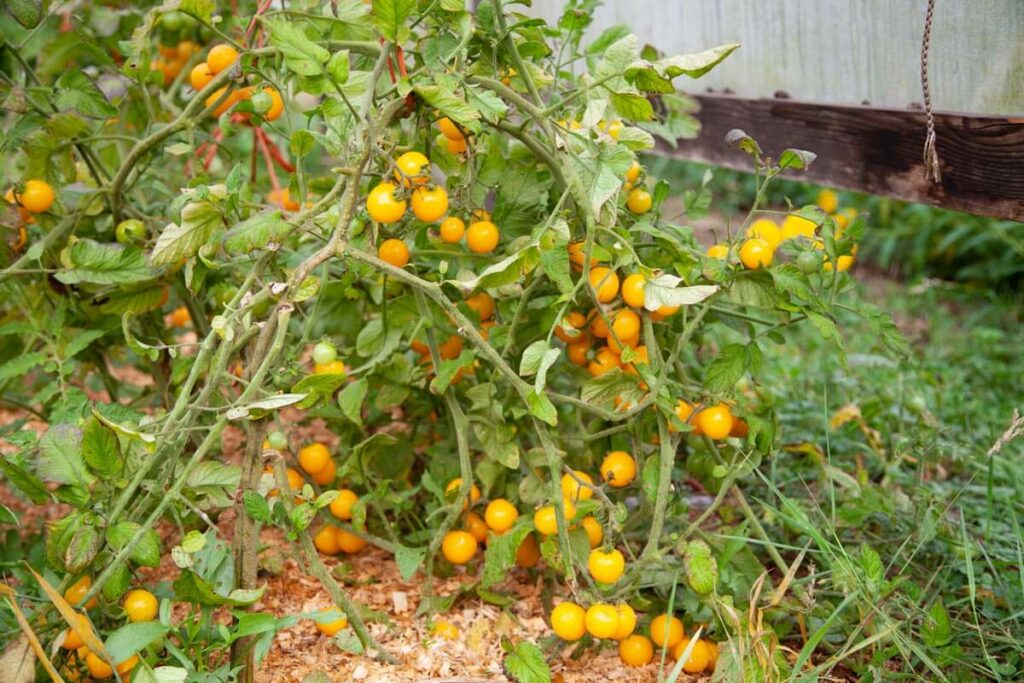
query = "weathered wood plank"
{"x": 874, "y": 150}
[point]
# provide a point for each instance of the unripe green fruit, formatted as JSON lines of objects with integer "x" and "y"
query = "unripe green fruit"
{"x": 324, "y": 353}
{"x": 261, "y": 102}
{"x": 277, "y": 440}
{"x": 130, "y": 231}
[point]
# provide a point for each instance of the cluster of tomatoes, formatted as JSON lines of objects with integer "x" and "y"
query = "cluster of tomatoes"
{"x": 265, "y": 100}
{"x": 764, "y": 236}
{"x": 388, "y": 201}
{"x": 138, "y": 604}
{"x": 173, "y": 58}
{"x": 35, "y": 196}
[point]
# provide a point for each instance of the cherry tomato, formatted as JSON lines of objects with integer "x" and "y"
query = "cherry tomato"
{"x": 666, "y": 631}
{"x": 483, "y": 304}
{"x": 573, "y": 490}
{"x": 633, "y": 290}
{"x": 601, "y": 620}
{"x": 606, "y": 567}
{"x": 500, "y": 515}
{"x": 452, "y": 229}
{"x": 482, "y": 237}
{"x": 314, "y": 458}
{"x": 382, "y": 204}
{"x": 412, "y": 168}
{"x": 341, "y": 507}
{"x": 221, "y": 57}
{"x": 568, "y": 621}
{"x": 636, "y": 650}
{"x": 324, "y": 352}
{"x": 393, "y": 251}
{"x": 130, "y": 231}
{"x": 715, "y": 421}
{"x": 200, "y": 76}
{"x": 756, "y": 253}
{"x": 458, "y": 547}
{"x": 639, "y": 201}
{"x": 605, "y": 283}
{"x": 618, "y": 469}
{"x": 429, "y": 204}
{"x": 331, "y": 622}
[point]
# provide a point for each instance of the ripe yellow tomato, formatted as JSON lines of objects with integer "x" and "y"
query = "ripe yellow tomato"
{"x": 449, "y": 129}
{"x": 844, "y": 261}
{"x": 482, "y": 237}
{"x": 475, "y": 525}
{"x": 664, "y": 312}
{"x": 595, "y": 534}
{"x": 283, "y": 198}
{"x": 599, "y": 327}
{"x": 633, "y": 174}
{"x": 719, "y": 251}
{"x": 73, "y": 636}
{"x": 452, "y": 229}
{"x": 97, "y": 667}
{"x": 528, "y": 552}
{"x": 577, "y": 255}
{"x": 636, "y": 650}
{"x": 456, "y": 146}
{"x": 576, "y": 321}
{"x": 140, "y": 605}
{"x": 601, "y": 620}
{"x": 382, "y": 204}
{"x": 295, "y": 480}
{"x": 482, "y": 304}
{"x": 349, "y": 543}
{"x": 126, "y": 666}
{"x": 412, "y": 169}
{"x": 767, "y": 230}
{"x": 683, "y": 411}
{"x": 639, "y": 201}
{"x": 633, "y": 290}
{"x": 451, "y": 491}
{"x": 225, "y": 103}
{"x": 500, "y": 515}
{"x": 428, "y": 204}
{"x": 37, "y": 196}
{"x": 605, "y": 283}
{"x": 573, "y": 490}
{"x": 700, "y": 656}
{"x": 458, "y": 547}
{"x": 577, "y": 352}
{"x": 451, "y": 348}
{"x": 666, "y": 631}
{"x": 335, "y": 367}
{"x": 77, "y": 591}
{"x": 627, "y": 621}
{"x": 828, "y": 201}
{"x": 200, "y": 76}
{"x": 546, "y": 521}
{"x": 221, "y": 57}
{"x": 616, "y": 347}
{"x": 797, "y": 226}
{"x": 605, "y": 360}
{"x": 626, "y": 324}
{"x": 715, "y": 421}
{"x": 568, "y": 621}
{"x": 331, "y": 622}
{"x": 756, "y": 253}
{"x": 393, "y": 251}
{"x": 326, "y": 475}
{"x": 606, "y": 567}
{"x": 618, "y": 469}
{"x": 341, "y": 507}
{"x": 326, "y": 540}
{"x": 314, "y": 458}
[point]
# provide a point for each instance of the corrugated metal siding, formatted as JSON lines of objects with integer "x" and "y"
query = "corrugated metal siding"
{"x": 841, "y": 51}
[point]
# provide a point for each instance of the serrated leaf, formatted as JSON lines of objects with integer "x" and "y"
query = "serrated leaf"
{"x": 82, "y": 549}
{"x": 500, "y": 555}
{"x": 526, "y": 664}
{"x": 101, "y": 450}
{"x": 105, "y": 264}
{"x": 601, "y": 174}
{"x": 199, "y": 220}
{"x": 81, "y": 341}
{"x": 60, "y": 456}
{"x": 726, "y": 370}
{"x": 391, "y": 17}
{"x": 13, "y": 468}
{"x": 451, "y": 105}
{"x": 936, "y": 630}
{"x": 409, "y": 560}
{"x": 21, "y": 364}
{"x": 791, "y": 280}
{"x": 255, "y": 233}
{"x": 76, "y": 91}
{"x": 132, "y": 638}
{"x": 350, "y": 400}
{"x": 301, "y": 54}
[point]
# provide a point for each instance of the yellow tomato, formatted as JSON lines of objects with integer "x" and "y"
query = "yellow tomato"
{"x": 766, "y": 229}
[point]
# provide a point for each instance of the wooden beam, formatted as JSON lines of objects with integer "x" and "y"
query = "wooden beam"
{"x": 879, "y": 151}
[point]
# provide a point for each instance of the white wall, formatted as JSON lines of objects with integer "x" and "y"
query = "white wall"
{"x": 840, "y": 51}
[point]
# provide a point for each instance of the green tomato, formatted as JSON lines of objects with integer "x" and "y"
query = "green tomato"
{"x": 261, "y": 102}
{"x": 172, "y": 21}
{"x": 130, "y": 231}
{"x": 808, "y": 262}
{"x": 324, "y": 353}
{"x": 278, "y": 440}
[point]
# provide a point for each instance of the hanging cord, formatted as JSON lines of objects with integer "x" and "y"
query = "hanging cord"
{"x": 931, "y": 152}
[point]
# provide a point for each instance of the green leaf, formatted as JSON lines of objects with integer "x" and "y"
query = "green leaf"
{"x": 60, "y": 456}
{"x": 256, "y": 506}
{"x": 301, "y": 55}
{"x": 601, "y": 174}
{"x": 632, "y": 106}
{"x": 21, "y": 364}
{"x": 936, "y": 630}
{"x": 28, "y": 13}
{"x": 789, "y": 279}
{"x": 200, "y": 9}
{"x": 526, "y": 664}
{"x": 727, "y": 369}
{"x": 500, "y": 555}
{"x": 302, "y": 143}
{"x": 391, "y": 17}
{"x": 117, "y": 584}
{"x": 796, "y": 159}
{"x": 145, "y": 553}
{"x": 81, "y": 341}
{"x": 506, "y": 271}
{"x": 351, "y": 398}
{"x": 105, "y": 264}
{"x": 409, "y": 560}
{"x": 451, "y": 105}
{"x": 75, "y": 91}
{"x": 555, "y": 264}
{"x": 258, "y": 409}
{"x": 101, "y": 450}
{"x": 542, "y": 408}
{"x": 829, "y": 332}
{"x": 199, "y": 220}
{"x": 657, "y": 76}
{"x": 58, "y": 536}
{"x": 257, "y": 232}
{"x": 189, "y": 587}
{"x": 132, "y": 638}
{"x": 82, "y": 549}
{"x": 741, "y": 141}
{"x": 338, "y": 65}
{"x": 665, "y": 290}
{"x": 532, "y": 357}
{"x": 871, "y": 563}
{"x": 13, "y": 468}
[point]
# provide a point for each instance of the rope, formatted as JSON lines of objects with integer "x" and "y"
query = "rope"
{"x": 931, "y": 152}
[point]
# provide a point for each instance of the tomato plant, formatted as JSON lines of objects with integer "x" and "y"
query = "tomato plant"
{"x": 262, "y": 212}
